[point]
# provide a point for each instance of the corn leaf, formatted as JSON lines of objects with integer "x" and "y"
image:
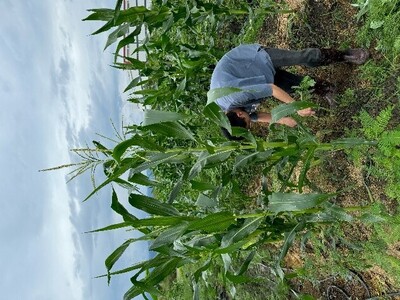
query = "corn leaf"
{"x": 175, "y": 191}
{"x": 243, "y": 244}
{"x": 204, "y": 201}
{"x": 172, "y": 129}
{"x": 306, "y": 166}
{"x": 117, "y": 9}
{"x": 134, "y": 64}
{"x": 202, "y": 186}
{"x": 158, "y": 221}
{"x": 141, "y": 179}
{"x": 215, "y": 114}
{"x": 136, "y": 140}
{"x": 351, "y": 142}
{"x": 129, "y": 39}
{"x": 144, "y": 265}
{"x": 284, "y": 110}
{"x": 246, "y": 160}
{"x": 112, "y": 227}
{"x": 113, "y": 257}
{"x": 100, "y": 14}
{"x": 154, "y": 160}
{"x": 294, "y": 202}
{"x": 152, "y": 206}
{"x": 216, "y": 222}
{"x": 238, "y": 279}
{"x": 208, "y": 159}
{"x": 227, "y": 260}
{"x": 132, "y": 84}
{"x": 113, "y": 37}
{"x": 204, "y": 267}
{"x": 120, "y": 209}
{"x": 169, "y": 236}
{"x": 250, "y": 225}
{"x": 214, "y": 94}
{"x": 289, "y": 239}
{"x": 157, "y": 116}
{"x": 246, "y": 263}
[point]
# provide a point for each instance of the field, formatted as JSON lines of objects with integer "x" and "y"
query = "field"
{"x": 304, "y": 213}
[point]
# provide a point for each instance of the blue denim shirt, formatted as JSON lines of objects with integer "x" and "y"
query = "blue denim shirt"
{"x": 249, "y": 68}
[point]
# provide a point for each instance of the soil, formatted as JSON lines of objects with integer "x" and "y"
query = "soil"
{"x": 331, "y": 24}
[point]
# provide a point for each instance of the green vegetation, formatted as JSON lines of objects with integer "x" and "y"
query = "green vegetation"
{"x": 217, "y": 234}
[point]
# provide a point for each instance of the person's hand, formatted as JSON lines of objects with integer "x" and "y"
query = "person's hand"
{"x": 307, "y": 112}
{"x": 288, "y": 121}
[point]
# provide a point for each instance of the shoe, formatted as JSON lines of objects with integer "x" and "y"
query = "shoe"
{"x": 356, "y": 56}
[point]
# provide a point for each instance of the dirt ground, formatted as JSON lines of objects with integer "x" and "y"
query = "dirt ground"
{"x": 327, "y": 24}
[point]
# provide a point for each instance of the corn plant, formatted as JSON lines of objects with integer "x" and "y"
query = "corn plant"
{"x": 179, "y": 45}
{"x": 204, "y": 232}
{"x": 176, "y": 74}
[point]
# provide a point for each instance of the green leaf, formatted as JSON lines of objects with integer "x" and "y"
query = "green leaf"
{"x": 289, "y": 239}
{"x": 238, "y": 279}
{"x": 153, "y": 161}
{"x": 141, "y": 179}
{"x": 172, "y": 129}
{"x": 129, "y": 39}
{"x": 156, "y": 276}
{"x": 158, "y": 221}
{"x": 351, "y": 142}
{"x": 242, "y": 244}
{"x": 100, "y": 14}
{"x": 294, "y": 202}
{"x": 169, "y": 236}
{"x": 152, "y": 206}
{"x": 202, "y": 186}
{"x": 371, "y": 218}
{"x": 250, "y": 225}
{"x": 132, "y": 84}
{"x": 246, "y": 160}
{"x": 181, "y": 87}
{"x": 284, "y": 110}
{"x": 306, "y": 166}
{"x": 113, "y": 257}
{"x": 215, "y": 114}
{"x": 199, "y": 271}
{"x": 111, "y": 227}
{"x": 136, "y": 140}
{"x": 246, "y": 263}
{"x": 206, "y": 202}
{"x": 227, "y": 260}
{"x": 376, "y": 24}
{"x": 156, "y": 116}
{"x": 330, "y": 213}
{"x": 144, "y": 265}
{"x": 206, "y": 159}
{"x": 175, "y": 191}
{"x": 216, "y": 222}
{"x": 120, "y": 209}
{"x": 217, "y": 93}
{"x": 117, "y": 9}
{"x": 134, "y": 64}
{"x": 113, "y": 37}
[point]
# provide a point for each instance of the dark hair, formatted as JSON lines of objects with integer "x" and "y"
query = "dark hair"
{"x": 235, "y": 121}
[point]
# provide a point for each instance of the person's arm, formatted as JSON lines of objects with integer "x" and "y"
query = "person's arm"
{"x": 264, "y": 117}
{"x": 281, "y": 95}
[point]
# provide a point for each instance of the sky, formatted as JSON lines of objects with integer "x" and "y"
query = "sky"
{"x": 57, "y": 92}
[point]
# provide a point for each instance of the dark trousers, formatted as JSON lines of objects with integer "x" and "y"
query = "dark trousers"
{"x": 310, "y": 57}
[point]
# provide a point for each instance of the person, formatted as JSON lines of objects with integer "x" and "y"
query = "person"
{"x": 258, "y": 72}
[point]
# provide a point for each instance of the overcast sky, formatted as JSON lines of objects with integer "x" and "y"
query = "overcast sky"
{"x": 57, "y": 90}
